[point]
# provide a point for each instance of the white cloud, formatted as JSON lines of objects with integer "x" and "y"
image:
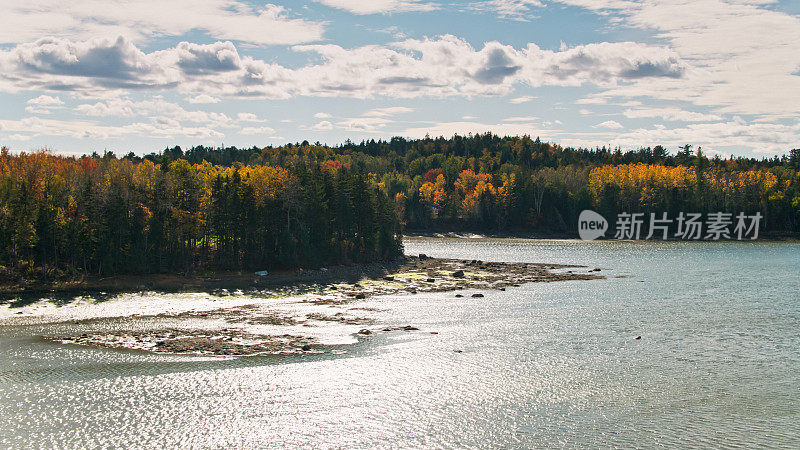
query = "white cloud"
{"x": 322, "y": 115}
{"x": 519, "y": 10}
{"x": 19, "y": 137}
{"x": 671, "y": 114}
{"x": 202, "y": 98}
{"x": 591, "y": 101}
{"x": 520, "y": 100}
{"x": 390, "y": 111}
{"x": 448, "y": 129}
{"x": 248, "y": 117}
{"x": 82, "y": 129}
{"x": 364, "y": 124}
{"x": 445, "y": 66}
{"x": 521, "y": 119}
{"x": 323, "y": 126}
{"x": 45, "y": 100}
{"x": 468, "y": 118}
{"x": 267, "y": 131}
{"x": 742, "y": 53}
{"x": 610, "y": 124}
{"x": 145, "y": 19}
{"x": 737, "y": 133}
{"x": 43, "y": 104}
{"x": 378, "y": 6}
{"x": 156, "y": 109}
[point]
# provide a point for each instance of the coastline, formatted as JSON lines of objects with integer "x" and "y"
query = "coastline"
{"x": 287, "y": 315}
{"x": 765, "y": 237}
{"x": 203, "y": 282}
{"x": 24, "y": 291}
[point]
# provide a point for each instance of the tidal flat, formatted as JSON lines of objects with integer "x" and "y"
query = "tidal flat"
{"x": 286, "y": 314}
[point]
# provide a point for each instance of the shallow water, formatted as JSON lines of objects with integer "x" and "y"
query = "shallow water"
{"x": 542, "y": 365}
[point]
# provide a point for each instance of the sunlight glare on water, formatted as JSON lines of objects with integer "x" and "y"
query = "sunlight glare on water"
{"x": 541, "y": 365}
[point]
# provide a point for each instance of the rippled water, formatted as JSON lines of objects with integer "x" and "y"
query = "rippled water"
{"x": 542, "y": 365}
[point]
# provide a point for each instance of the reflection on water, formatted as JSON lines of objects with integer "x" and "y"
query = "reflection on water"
{"x": 542, "y": 365}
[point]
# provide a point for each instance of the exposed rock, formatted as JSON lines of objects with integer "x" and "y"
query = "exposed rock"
{"x": 197, "y": 342}
{"x": 402, "y": 328}
{"x": 417, "y": 275}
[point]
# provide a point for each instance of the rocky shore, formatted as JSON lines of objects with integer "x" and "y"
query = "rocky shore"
{"x": 228, "y": 331}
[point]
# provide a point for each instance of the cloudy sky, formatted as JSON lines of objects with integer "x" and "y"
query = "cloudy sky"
{"x": 140, "y": 75}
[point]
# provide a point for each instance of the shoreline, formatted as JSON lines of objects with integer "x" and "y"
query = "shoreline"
{"x": 207, "y": 281}
{"x": 25, "y": 291}
{"x": 769, "y": 237}
{"x": 264, "y": 322}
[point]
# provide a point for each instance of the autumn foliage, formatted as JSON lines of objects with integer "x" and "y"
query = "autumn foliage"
{"x": 308, "y": 205}
{"x": 108, "y": 215}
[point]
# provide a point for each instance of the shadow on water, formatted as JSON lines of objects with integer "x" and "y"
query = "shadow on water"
{"x": 57, "y": 298}
{"x": 279, "y": 285}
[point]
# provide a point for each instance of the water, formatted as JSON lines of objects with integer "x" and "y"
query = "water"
{"x": 542, "y": 365}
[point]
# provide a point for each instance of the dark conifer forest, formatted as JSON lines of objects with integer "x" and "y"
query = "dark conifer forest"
{"x": 309, "y": 205}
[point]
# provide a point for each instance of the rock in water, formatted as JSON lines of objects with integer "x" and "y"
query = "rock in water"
{"x": 477, "y": 295}
{"x": 364, "y": 332}
{"x": 306, "y": 348}
{"x": 360, "y": 296}
{"x": 458, "y": 274}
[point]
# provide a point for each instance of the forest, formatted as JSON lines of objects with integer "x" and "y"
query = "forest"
{"x": 308, "y": 205}
{"x": 485, "y": 183}
{"x": 109, "y": 216}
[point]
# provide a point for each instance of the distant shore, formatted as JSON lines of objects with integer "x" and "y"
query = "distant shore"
{"x": 764, "y": 237}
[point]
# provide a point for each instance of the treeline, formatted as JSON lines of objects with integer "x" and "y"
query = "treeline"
{"x": 104, "y": 215}
{"x": 487, "y": 183}
{"x": 309, "y": 204}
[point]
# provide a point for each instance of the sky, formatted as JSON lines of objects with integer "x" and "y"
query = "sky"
{"x": 122, "y": 76}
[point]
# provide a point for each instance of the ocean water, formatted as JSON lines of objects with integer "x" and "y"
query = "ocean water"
{"x": 539, "y": 366}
